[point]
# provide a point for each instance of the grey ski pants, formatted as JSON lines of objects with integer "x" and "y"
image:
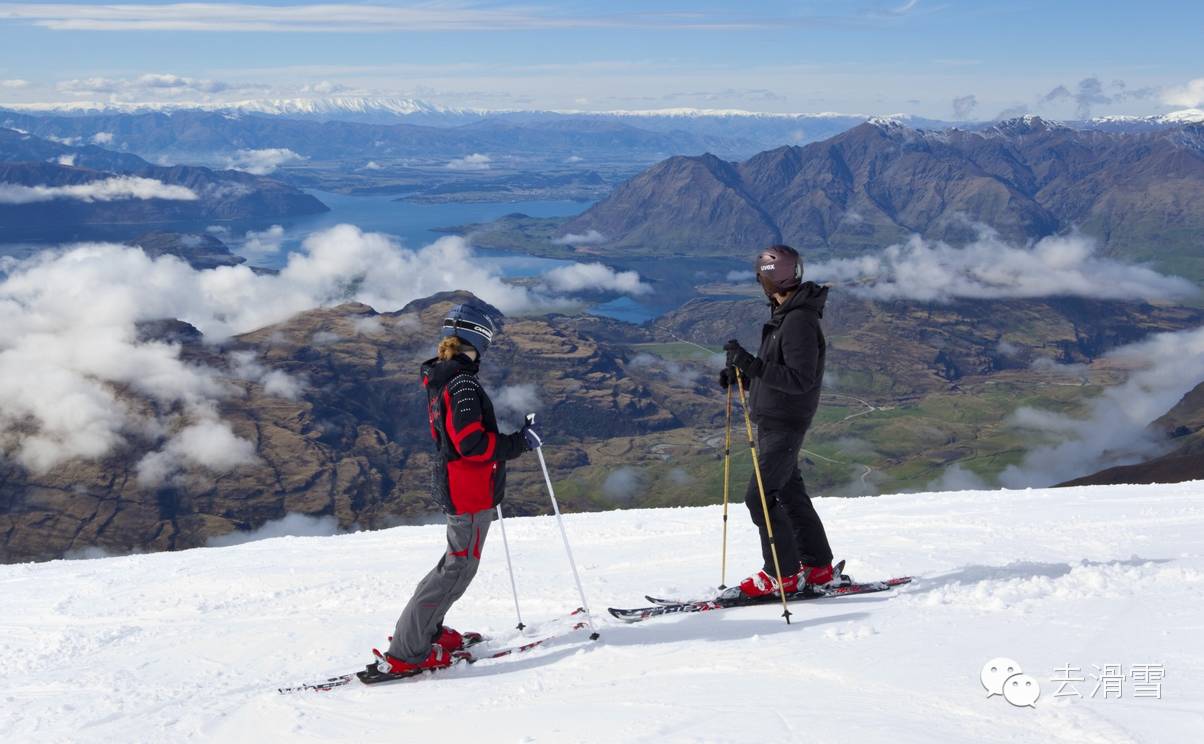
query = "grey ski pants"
{"x": 422, "y": 618}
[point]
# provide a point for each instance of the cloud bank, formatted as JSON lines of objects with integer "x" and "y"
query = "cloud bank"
{"x": 257, "y": 244}
{"x": 117, "y": 188}
{"x": 475, "y": 161}
{"x": 262, "y": 162}
{"x": 1190, "y": 95}
{"x": 594, "y": 277}
{"x": 589, "y": 237}
{"x": 1167, "y": 366}
{"x": 990, "y": 268}
{"x": 69, "y": 339}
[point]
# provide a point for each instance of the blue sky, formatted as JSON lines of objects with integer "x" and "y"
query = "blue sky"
{"x": 938, "y": 58}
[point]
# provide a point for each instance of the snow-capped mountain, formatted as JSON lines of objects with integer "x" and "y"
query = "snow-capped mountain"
{"x": 1084, "y": 588}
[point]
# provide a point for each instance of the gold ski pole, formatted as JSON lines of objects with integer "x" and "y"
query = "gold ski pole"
{"x": 773, "y": 548}
{"x": 727, "y": 481}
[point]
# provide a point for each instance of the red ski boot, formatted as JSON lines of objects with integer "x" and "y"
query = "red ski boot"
{"x": 762, "y": 584}
{"x": 390, "y": 665}
{"x": 818, "y": 577}
{"x": 453, "y": 640}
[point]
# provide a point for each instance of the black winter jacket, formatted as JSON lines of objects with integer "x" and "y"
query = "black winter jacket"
{"x": 785, "y": 392}
{"x": 470, "y": 463}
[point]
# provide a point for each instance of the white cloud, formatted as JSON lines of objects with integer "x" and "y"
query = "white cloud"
{"x": 263, "y": 243}
{"x": 512, "y": 403}
{"x": 244, "y": 365}
{"x": 14, "y": 83}
{"x": 117, "y": 188}
{"x": 66, "y": 159}
{"x": 102, "y": 138}
{"x": 589, "y": 237}
{"x": 1166, "y": 366}
{"x": 371, "y": 165}
{"x": 957, "y": 478}
{"x": 368, "y": 326}
{"x": 622, "y": 485}
{"x": 324, "y": 88}
{"x": 262, "y": 162}
{"x": 1190, "y": 95}
{"x": 594, "y": 277}
{"x": 290, "y": 525}
{"x": 153, "y": 85}
{"x": 685, "y": 375}
{"x": 69, "y": 340}
{"x": 990, "y": 268}
{"x": 210, "y": 444}
{"x": 475, "y": 161}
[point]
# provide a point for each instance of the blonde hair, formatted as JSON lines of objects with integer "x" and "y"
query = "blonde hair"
{"x": 449, "y": 347}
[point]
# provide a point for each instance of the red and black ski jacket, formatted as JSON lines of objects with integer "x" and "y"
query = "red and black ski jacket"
{"x": 470, "y": 463}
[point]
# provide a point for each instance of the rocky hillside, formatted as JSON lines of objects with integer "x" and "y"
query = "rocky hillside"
{"x": 352, "y": 444}
{"x": 933, "y": 345}
{"x": 200, "y": 250}
{"x": 48, "y": 186}
{"x": 881, "y": 181}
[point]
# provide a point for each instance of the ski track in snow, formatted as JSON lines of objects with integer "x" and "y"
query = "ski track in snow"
{"x": 191, "y": 646}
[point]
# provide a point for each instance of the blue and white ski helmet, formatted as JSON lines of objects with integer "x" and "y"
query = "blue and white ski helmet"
{"x": 470, "y": 324}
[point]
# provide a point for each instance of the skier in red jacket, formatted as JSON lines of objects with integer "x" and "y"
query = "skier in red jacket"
{"x": 469, "y": 480}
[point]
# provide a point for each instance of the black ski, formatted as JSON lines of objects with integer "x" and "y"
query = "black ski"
{"x": 732, "y": 598}
{"x": 837, "y": 568}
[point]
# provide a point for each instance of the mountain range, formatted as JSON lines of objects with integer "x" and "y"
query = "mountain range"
{"x": 382, "y": 127}
{"x": 201, "y": 136}
{"x": 50, "y": 186}
{"x": 1141, "y": 195}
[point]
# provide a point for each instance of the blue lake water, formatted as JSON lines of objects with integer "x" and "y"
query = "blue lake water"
{"x": 414, "y": 225}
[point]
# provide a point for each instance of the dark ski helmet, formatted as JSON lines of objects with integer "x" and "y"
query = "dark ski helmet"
{"x": 779, "y": 269}
{"x": 470, "y": 324}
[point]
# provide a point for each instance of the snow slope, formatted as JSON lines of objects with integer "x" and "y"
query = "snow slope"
{"x": 190, "y": 646}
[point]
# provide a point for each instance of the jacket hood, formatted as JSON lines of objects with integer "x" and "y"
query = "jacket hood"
{"x": 810, "y": 296}
{"x": 437, "y": 372}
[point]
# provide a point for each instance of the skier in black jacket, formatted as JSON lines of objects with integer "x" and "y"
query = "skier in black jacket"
{"x": 785, "y": 378}
{"x": 468, "y": 480}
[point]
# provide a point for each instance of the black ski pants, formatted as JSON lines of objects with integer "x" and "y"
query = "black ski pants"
{"x": 797, "y": 529}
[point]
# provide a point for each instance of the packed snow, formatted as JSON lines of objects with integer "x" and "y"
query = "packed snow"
{"x": 1106, "y": 583}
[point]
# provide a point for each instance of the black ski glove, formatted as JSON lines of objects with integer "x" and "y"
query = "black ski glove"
{"x": 727, "y": 378}
{"x": 531, "y": 434}
{"x": 737, "y": 357}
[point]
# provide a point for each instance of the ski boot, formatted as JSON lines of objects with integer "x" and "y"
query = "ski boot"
{"x": 393, "y": 667}
{"x": 453, "y": 640}
{"x": 818, "y": 578}
{"x": 762, "y": 584}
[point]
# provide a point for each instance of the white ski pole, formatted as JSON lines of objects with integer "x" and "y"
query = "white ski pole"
{"x": 510, "y": 568}
{"x": 564, "y": 535}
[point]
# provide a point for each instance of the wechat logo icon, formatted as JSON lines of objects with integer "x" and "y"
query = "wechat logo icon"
{"x": 1004, "y": 677}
